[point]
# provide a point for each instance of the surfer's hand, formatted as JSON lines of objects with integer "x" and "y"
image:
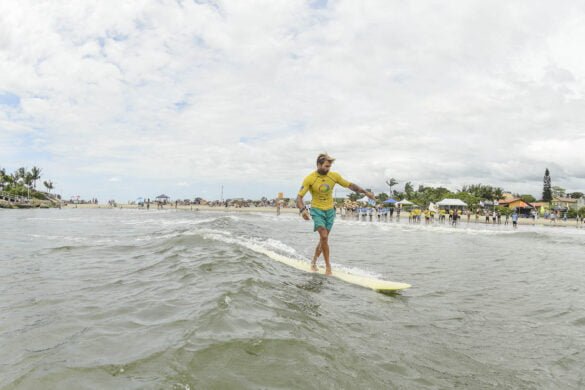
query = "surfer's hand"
{"x": 305, "y": 215}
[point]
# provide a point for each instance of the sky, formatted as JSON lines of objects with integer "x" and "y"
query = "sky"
{"x": 119, "y": 100}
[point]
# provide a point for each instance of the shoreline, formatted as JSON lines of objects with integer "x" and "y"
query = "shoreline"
{"x": 272, "y": 210}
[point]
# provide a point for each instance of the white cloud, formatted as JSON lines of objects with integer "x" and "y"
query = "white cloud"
{"x": 249, "y": 92}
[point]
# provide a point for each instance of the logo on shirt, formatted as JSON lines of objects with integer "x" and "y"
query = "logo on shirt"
{"x": 324, "y": 188}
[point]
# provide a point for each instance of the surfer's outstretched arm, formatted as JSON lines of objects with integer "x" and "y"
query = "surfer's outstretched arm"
{"x": 356, "y": 188}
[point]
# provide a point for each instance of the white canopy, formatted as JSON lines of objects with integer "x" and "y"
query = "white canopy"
{"x": 405, "y": 202}
{"x": 451, "y": 202}
{"x": 365, "y": 199}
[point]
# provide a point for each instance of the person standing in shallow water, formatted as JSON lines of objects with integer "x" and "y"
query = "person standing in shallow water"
{"x": 321, "y": 183}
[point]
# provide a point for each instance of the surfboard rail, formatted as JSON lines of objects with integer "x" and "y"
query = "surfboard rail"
{"x": 380, "y": 285}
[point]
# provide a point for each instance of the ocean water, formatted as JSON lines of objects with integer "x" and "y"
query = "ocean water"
{"x": 135, "y": 299}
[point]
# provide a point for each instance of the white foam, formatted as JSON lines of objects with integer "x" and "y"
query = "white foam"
{"x": 271, "y": 248}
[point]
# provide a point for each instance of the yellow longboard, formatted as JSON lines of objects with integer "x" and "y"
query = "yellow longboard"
{"x": 383, "y": 286}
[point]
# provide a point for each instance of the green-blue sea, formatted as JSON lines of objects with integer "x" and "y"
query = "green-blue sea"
{"x": 137, "y": 299}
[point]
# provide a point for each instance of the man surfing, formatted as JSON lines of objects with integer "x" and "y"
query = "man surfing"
{"x": 321, "y": 183}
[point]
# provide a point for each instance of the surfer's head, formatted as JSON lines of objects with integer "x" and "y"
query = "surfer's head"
{"x": 324, "y": 162}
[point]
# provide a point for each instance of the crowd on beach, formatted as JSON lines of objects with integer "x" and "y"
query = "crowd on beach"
{"x": 452, "y": 216}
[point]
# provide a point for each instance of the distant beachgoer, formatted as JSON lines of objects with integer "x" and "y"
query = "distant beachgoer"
{"x": 277, "y": 209}
{"x": 454, "y": 217}
{"x": 487, "y": 216}
{"x": 506, "y": 220}
{"x": 494, "y": 216}
{"x": 321, "y": 182}
{"x": 515, "y": 220}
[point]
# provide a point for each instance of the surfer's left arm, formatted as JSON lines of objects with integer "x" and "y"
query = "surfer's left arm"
{"x": 352, "y": 186}
{"x": 356, "y": 188}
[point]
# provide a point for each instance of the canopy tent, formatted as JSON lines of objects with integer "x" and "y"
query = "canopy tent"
{"x": 366, "y": 200}
{"x": 390, "y": 201}
{"x": 452, "y": 203}
{"x": 405, "y": 203}
{"x": 163, "y": 197}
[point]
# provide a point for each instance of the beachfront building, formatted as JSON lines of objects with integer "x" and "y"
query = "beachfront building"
{"x": 517, "y": 204}
{"x": 560, "y": 203}
{"x": 541, "y": 207}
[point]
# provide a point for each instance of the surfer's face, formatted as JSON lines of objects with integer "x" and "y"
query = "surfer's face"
{"x": 324, "y": 168}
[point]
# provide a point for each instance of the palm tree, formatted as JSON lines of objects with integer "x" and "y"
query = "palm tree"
{"x": 20, "y": 173}
{"x": 28, "y": 179}
{"x": 391, "y": 183}
{"x": 48, "y": 185}
{"x": 36, "y": 175}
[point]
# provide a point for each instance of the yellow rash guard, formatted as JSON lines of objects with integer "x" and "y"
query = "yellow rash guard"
{"x": 321, "y": 187}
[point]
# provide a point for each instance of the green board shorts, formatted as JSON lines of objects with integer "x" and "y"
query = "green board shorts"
{"x": 323, "y": 218}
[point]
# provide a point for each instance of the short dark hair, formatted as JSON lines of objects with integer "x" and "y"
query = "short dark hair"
{"x": 321, "y": 158}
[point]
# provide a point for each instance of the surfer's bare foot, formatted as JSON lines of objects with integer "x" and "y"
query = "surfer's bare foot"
{"x": 328, "y": 271}
{"x": 314, "y": 266}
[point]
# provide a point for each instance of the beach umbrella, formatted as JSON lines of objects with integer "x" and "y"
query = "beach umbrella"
{"x": 390, "y": 201}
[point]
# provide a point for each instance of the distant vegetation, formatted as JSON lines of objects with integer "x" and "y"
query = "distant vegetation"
{"x": 24, "y": 182}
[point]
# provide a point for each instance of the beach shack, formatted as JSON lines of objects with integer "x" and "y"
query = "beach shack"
{"x": 162, "y": 198}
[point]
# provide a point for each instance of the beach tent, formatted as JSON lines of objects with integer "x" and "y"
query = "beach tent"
{"x": 405, "y": 203}
{"x": 452, "y": 203}
{"x": 162, "y": 198}
{"x": 367, "y": 200}
{"x": 390, "y": 201}
{"x": 449, "y": 203}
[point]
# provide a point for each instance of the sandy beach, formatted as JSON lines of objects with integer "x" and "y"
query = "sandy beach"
{"x": 272, "y": 210}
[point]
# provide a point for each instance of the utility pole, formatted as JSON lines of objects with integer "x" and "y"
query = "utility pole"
{"x": 221, "y": 198}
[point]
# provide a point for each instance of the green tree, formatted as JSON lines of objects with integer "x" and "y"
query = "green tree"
{"x": 575, "y": 195}
{"x": 558, "y": 191}
{"x": 354, "y": 196}
{"x": 408, "y": 189}
{"x": 19, "y": 174}
{"x": 482, "y": 191}
{"x": 391, "y": 183}
{"x": 35, "y": 173}
{"x": 527, "y": 198}
{"x": 471, "y": 200}
{"x": 546, "y": 188}
{"x": 48, "y": 185}
{"x": 381, "y": 197}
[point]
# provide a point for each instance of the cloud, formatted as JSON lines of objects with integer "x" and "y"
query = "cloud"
{"x": 246, "y": 94}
